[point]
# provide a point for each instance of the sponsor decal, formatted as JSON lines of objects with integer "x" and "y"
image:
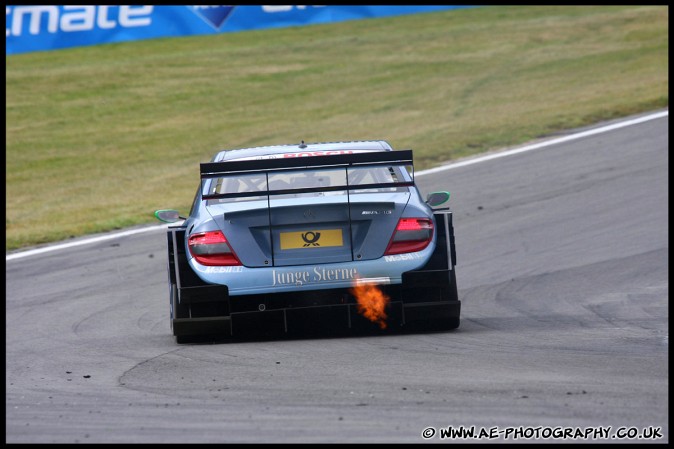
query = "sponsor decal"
{"x": 74, "y": 18}
{"x": 223, "y": 269}
{"x": 317, "y": 153}
{"x": 287, "y": 8}
{"x": 315, "y": 275}
{"x": 300, "y": 154}
{"x": 401, "y": 257}
{"x": 311, "y": 239}
{"x": 214, "y": 15}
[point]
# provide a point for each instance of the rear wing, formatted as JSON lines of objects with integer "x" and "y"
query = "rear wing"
{"x": 282, "y": 164}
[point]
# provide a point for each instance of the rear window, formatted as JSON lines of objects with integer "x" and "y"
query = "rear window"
{"x": 311, "y": 178}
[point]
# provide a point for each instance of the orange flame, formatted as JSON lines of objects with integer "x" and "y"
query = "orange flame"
{"x": 371, "y": 302}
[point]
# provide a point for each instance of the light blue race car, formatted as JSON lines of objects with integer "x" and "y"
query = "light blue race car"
{"x": 310, "y": 237}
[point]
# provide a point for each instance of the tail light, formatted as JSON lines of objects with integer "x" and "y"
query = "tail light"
{"x": 211, "y": 248}
{"x": 411, "y": 234}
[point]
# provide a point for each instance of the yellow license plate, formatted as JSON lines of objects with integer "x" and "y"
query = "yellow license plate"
{"x": 311, "y": 239}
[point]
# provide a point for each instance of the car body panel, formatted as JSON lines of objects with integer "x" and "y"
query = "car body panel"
{"x": 253, "y": 227}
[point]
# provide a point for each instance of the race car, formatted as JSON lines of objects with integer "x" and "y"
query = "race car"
{"x": 310, "y": 237}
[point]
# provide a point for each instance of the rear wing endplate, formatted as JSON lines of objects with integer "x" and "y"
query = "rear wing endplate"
{"x": 284, "y": 164}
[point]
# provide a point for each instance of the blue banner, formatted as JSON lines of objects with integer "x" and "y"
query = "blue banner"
{"x": 49, "y": 27}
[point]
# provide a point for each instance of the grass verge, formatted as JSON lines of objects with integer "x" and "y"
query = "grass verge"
{"x": 99, "y": 137}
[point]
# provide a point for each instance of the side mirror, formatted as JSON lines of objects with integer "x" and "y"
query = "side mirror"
{"x": 168, "y": 215}
{"x": 437, "y": 198}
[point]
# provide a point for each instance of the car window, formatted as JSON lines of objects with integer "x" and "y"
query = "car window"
{"x": 376, "y": 175}
{"x": 300, "y": 179}
{"x": 310, "y": 178}
{"x": 238, "y": 184}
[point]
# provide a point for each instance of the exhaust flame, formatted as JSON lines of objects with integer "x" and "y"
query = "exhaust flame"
{"x": 371, "y": 302}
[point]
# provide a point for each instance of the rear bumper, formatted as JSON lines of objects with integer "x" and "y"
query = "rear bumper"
{"x": 424, "y": 295}
{"x": 243, "y": 281}
{"x": 321, "y": 318}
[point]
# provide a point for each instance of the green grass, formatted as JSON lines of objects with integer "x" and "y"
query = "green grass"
{"x": 99, "y": 137}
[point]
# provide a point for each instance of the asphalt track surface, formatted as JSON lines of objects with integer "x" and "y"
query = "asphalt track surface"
{"x": 563, "y": 277}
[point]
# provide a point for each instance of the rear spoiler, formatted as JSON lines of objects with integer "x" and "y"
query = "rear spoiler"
{"x": 285, "y": 164}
